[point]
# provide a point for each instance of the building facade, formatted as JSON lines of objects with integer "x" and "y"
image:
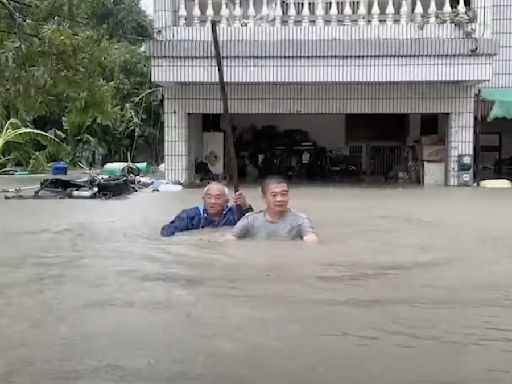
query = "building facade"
{"x": 329, "y": 58}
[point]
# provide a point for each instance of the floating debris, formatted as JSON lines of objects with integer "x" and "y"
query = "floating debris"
{"x": 66, "y": 188}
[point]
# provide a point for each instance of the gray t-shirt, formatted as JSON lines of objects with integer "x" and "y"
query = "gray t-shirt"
{"x": 292, "y": 226}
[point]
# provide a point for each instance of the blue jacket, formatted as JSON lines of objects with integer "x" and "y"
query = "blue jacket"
{"x": 197, "y": 218}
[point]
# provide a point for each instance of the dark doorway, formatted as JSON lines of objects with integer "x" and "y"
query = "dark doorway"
{"x": 429, "y": 125}
{"x": 377, "y": 127}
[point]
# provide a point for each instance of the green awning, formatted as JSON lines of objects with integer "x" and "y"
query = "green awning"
{"x": 502, "y": 108}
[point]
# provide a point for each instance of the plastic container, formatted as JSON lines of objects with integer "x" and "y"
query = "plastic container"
{"x": 116, "y": 169}
{"x": 496, "y": 183}
{"x": 23, "y": 173}
{"x": 113, "y": 169}
{"x": 59, "y": 169}
{"x": 144, "y": 167}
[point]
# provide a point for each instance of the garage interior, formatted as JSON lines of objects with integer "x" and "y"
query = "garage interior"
{"x": 494, "y": 150}
{"x": 493, "y": 134}
{"x": 352, "y": 148}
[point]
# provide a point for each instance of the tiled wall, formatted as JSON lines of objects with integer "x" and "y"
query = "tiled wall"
{"x": 323, "y": 98}
{"x": 502, "y": 29}
{"x": 325, "y": 70}
{"x": 176, "y": 146}
{"x": 165, "y": 16}
{"x": 459, "y": 141}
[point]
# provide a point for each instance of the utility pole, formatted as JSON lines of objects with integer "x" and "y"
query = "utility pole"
{"x": 226, "y": 117}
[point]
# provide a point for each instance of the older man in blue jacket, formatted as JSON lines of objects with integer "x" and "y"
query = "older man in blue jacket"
{"x": 214, "y": 211}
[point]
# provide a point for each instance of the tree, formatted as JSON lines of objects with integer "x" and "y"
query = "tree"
{"x": 123, "y": 20}
{"x": 76, "y": 71}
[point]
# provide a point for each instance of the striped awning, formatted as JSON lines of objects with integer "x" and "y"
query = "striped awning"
{"x": 502, "y": 97}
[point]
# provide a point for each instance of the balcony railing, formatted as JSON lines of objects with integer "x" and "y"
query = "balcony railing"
{"x": 251, "y": 13}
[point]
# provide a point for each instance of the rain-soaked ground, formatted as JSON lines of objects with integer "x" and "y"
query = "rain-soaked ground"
{"x": 407, "y": 286}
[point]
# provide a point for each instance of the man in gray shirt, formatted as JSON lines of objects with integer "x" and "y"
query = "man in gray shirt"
{"x": 277, "y": 221}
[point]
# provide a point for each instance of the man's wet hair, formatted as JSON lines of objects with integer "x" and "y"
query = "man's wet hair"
{"x": 272, "y": 180}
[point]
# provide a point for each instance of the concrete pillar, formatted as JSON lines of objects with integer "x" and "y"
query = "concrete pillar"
{"x": 459, "y": 141}
{"x": 176, "y": 147}
{"x": 195, "y": 142}
{"x": 172, "y": 15}
{"x": 165, "y": 16}
{"x": 485, "y": 10}
{"x": 158, "y": 17}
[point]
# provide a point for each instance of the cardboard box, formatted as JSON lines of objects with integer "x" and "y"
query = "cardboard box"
{"x": 433, "y": 173}
{"x": 431, "y": 140}
{"x": 433, "y": 153}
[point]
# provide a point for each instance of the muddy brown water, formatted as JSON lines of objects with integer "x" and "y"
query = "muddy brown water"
{"x": 407, "y": 286}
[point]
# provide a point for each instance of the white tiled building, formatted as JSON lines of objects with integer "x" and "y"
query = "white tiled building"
{"x": 333, "y": 58}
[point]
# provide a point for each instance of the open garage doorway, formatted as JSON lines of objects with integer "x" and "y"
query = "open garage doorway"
{"x": 378, "y": 142}
{"x": 325, "y": 147}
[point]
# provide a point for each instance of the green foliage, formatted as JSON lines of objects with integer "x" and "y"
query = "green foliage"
{"x": 123, "y": 19}
{"x": 76, "y": 69}
{"x": 20, "y": 141}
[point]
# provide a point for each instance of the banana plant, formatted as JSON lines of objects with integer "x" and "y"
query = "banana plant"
{"x": 16, "y": 138}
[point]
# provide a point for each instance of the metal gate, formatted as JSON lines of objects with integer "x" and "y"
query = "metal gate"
{"x": 377, "y": 159}
{"x": 382, "y": 159}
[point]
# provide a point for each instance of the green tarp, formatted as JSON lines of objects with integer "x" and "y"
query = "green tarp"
{"x": 502, "y": 108}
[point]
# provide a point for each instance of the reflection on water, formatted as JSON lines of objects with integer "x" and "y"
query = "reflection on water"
{"x": 407, "y": 286}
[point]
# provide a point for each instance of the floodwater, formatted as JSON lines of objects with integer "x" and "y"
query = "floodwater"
{"x": 407, "y": 286}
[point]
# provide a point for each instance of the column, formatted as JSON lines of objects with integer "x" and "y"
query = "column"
{"x": 459, "y": 142}
{"x": 172, "y": 18}
{"x": 176, "y": 142}
{"x": 158, "y": 18}
{"x": 484, "y": 11}
{"x": 195, "y": 142}
{"x": 165, "y": 17}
